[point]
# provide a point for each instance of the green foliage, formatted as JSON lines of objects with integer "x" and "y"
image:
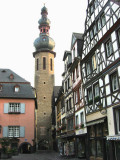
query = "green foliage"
{"x": 97, "y": 99}
{"x": 5, "y": 143}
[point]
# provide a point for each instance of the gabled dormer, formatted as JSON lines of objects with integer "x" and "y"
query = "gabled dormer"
{"x": 1, "y": 87}
{"x": 67, "y": 60}
{"x": 76, "y": 45}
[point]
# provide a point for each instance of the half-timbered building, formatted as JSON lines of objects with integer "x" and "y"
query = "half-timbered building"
{"x": 80, "y": 126}
{"x": 67, "y": 135}
{"x": 101, "y": 78}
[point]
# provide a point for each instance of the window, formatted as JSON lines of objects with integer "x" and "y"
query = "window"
{"x": 99, "y": 24}
{"x": 96, "y": 90}
{"x": 99, "y": 148}
{"x": 91, "y": 8}
{"x": 114, "y": 82}
{"x": 118, "y": 35}
{"x": 82, "y": 117}
{"x": 108, "y": 47}
{"x": 88, "y": 68}
{"x": 44, "y": 63}
{"x": 67, "y": 105}
{"x": 117, "y": 120}
{"x": 94, "y": 66}
{"x": 66, "y": 86}
{"x": 13, "y": 131}
{"x": 103, "y": 20}
{"x": 80, "y": 93}
{"x": 17, "y": 88}
{"x": 14, "y": 107}
{"x": 51, "y": 67}
{"x": 92, "y": 148}
{"x": 95, "y": 29}
{"x": 96, "y": 3}
{"x": 73, "y": 76}
{"x": 73, "y": 52}
{"x": 68, "y": 83}
{"x": 0, "y": 88}
{"x": 77, "y": 71}
{"x": 76, "y": 97}
{"x": 90, "y": 98}
{"x": 91, "y": 34}
{"x": 70, "y": 105}
{"x": 77, "y": 120}
{"x": 44, "y": 30}
{"x": 37, "y": 66}
{"x": 70, "y": 124}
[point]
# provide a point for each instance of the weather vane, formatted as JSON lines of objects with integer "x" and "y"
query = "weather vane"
{"x": 44, "y": 3}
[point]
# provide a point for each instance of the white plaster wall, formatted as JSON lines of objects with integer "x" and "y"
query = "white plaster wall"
{"x": 111, "y": 127}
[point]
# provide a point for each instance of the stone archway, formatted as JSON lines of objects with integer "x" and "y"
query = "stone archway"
{"x": 25, "y": 147}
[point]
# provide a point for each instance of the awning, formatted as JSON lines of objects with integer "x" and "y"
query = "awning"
{"x": 113, "y": 138}
{"x": 95, "y": 122}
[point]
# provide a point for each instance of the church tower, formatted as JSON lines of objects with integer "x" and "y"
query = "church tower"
{"x": 44, "y": 81}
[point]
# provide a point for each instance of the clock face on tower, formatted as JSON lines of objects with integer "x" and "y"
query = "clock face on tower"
{"x": 44, "y": 39}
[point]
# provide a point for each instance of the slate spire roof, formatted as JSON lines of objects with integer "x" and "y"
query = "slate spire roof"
{"x": 9, "y": 80}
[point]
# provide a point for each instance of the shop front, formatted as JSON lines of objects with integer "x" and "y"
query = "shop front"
{"x": 81, "y": 146}
{"x": 68, "y": 145}
{"x": 113, "y": 147}
{"x": 97, "y": 132}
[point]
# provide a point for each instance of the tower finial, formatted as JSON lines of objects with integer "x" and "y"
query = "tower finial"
{"x": 44, "y": 4}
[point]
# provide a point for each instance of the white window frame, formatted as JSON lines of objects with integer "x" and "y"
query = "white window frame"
{"x": 88, "y": 68}
{"x": 13, "y": 131}
{"x": 90, "y": 94}
{"x": 82, "y": 117}
{"x": 96, "y": 90}
{"x": 14, "y": 108}
{"x": 114, "y": 82}
{"x": 109, "y": 48}
{"x": 94, "y": 64}
{"x": 117, "y": 115}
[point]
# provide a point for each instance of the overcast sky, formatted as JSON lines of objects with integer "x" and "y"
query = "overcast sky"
{"x": 19, "y": 29}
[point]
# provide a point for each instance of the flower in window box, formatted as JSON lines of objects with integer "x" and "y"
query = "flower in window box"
{"x": 97, "y": 99}
{"x": 90, "y": 102}
{"x": 77, "y": 127}
{"x": 81, "y": 125}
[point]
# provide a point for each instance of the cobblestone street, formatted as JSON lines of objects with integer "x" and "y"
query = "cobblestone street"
{"x": 41, "y": 155}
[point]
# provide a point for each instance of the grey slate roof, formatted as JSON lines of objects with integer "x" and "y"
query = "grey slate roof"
{"x": 5, "y": 73}
{"x": 76, "y": 36}
{"x": 8, "y": 86}
{"x": 56, "y": 91}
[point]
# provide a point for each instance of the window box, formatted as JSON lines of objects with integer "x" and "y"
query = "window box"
{"x": 81, "y": 125}
{"x": 90, "y": 102}
{"x": 96, "y": 99}
{"x": 14, "y": 112}
{"x": 77, "y": 127}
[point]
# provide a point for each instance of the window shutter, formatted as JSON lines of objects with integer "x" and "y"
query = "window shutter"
{"x": 22, "y": 131}
{"x": 22, "y": 105}
{"x": 5, "y": 131}
{"x": 6, "y": 106}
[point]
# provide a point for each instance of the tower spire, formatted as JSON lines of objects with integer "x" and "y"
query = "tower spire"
{"x": 44, "y": 41}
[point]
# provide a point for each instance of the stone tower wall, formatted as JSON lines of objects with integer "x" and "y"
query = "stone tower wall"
{"x": 44, "y": 82}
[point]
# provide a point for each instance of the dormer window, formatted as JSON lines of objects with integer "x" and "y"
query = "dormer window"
{"x": 17, "y": 88}
{"x": 0, "y": 88}
{"x": 11, "y": 76}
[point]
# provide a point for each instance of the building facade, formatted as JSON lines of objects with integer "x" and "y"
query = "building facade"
{"x": 77, "y": 88}
{"x": 101, "y": 78}
{"x": 17, "y": 111}
{"x": 44, "y": 81}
